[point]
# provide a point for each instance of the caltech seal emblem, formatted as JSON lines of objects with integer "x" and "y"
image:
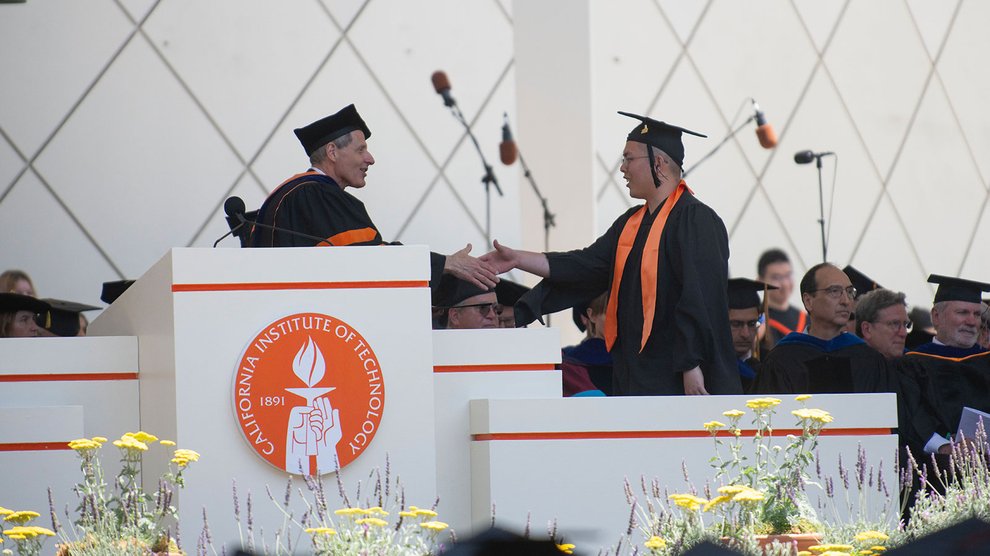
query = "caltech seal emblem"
{"x": 309, "y": 394}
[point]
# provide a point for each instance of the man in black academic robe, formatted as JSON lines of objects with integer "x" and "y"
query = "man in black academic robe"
{"x": 825, "y": 360}
{"x": 314, "y": 208}
{"x": 665, "y": 265}
{"x": 746, "y": 313}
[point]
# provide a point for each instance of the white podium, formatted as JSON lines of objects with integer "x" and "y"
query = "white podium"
{"x": 276, "y": 360}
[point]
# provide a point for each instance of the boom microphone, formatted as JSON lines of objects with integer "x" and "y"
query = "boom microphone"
{"x": 442, "y": 86}
{"x": 507, "y": 149}
{"x": 764, "y": 131}
{"x": 805, "y": 157}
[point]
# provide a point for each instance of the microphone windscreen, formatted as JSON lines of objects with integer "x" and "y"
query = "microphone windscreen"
{"x": 440, "y": 81}
{"x": 233, "y": 206}
{"x": 767, "y": 136}
{"x": 804, "y": 157}
{"x": 507, "y": 152}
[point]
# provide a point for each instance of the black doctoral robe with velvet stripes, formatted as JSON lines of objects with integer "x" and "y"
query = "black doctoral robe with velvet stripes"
{"x": 691, "y": 316}
{"x": 314, "y": 204}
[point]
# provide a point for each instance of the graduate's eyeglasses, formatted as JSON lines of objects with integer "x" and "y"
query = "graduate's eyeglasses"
{"x": 483, "y": 308}
{"x": 895, "y": 325}
{"x": 836, "y": 291}
{"x": 740, "y": 324}
{"x": 628, "y": 159}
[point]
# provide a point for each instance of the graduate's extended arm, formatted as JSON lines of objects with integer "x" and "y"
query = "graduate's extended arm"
{"x": 505, "y": 259}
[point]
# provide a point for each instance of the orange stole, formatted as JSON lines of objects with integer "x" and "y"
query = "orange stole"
{"x": 648, "y": 267}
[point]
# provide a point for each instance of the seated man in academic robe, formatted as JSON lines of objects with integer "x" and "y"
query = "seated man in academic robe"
{"x": 314, "y": 209}
{"x": 882, "y": 321}
{"x": 824, "y": 359}
{"x": 947, "y": 374}
{"x": 460, "y": 305}
{"x": 746, "y": 313}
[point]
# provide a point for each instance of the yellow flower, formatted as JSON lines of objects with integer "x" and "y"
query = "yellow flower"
{"x": 871, "y": 537}
{"x": 865, "y": 553}
{"x": 803, "y": 553}
{"x": 732, "y": 413}
{"x": 425, "y": 513}
{"x": 166, "y": 443}
{"x": 321, "y": 531}
{"x": 732, "y": 489}
{"x": 748, "y": 495}
{"x": 817, "y": 415}
{"x": 713, "y": 426}
{"x": 762, "y": 403}
{"x": 186, "y": 454}
{"x": 831, "y": 549}
{"x": 377, "y": 522}
{"x": 5, "y": 511}
{"x": 15, "y": 536}
{"x": 689, "y": 502}
{"x": 803, "y": 397}
{"x": 407, "y": 514}
{"x": 376, "y": 510}
{"x": 100, "y": 439}
{"x": 566, "y": 548}
{"x": 21, "y": 517}
{"x": 130, "y": 443}
{"x": 655, "y": 543}
{"x": 434, "y": 525}
{"x": 83, "y": 444}
{"x": 878, "y": 548}
{"x": 737, "y": 432}
{"x": 141, "y": 436}
{"x": 349, "y": 511}
{"x": 714, "y": 502}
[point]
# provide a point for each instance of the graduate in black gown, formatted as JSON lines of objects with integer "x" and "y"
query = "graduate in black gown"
{"x": 746, "y": 316}
{"x": 665, "y": 264}
{"x": 314, "y": 208}
{"x": 956, "y": 316}
{"x": 826, "y": 359}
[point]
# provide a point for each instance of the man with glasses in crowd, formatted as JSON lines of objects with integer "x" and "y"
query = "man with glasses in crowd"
{"x": 882, "y": 321}
{"x": 461, "y": 305}
{"x": 746, "y": 314}
{"x": 825, "y": 359}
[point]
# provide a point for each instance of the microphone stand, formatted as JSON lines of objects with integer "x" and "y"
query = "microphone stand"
{"x": 488, "y": 179}
{"x": 719, "y": 145}
{"x": 821, "y": 207}
{"x": 548, "y": 217}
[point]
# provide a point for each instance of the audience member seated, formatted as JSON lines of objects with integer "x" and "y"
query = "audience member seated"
{"x": 18, "y": 315}
{"x": 825, "y": 359}
{"x": 586, "y": 369}
{"x": 508, "y": 293}
{"x": 774, "y": 268}
{"x": 956, "y": 316}
{"x": 17, "y": 281}
{"x": 942, "y": 377}
{"x": 462, "y": 305}
{"x": 65, "y": 318}
{"x": 882, "y": 321}
{"x": 745, "y": 320}
{"x": 984, "y": 340}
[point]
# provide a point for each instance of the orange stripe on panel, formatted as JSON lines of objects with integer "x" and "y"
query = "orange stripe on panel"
{"x": 33, "y": 446}
{"x": 64, "y": 377}
{"x": 253, "y": 286}
{"x": 623, "y": 435}
{"x": 493, "y": 368}
{"x": 351, "y": 237}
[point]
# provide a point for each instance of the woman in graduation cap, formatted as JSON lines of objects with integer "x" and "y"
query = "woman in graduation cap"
{"x": 17, "y": 315}
{"x": 665, "y": 264}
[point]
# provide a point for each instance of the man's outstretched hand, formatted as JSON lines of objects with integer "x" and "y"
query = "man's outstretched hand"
{"x": 479, "y": 272}
{"x": 502, "y": 259}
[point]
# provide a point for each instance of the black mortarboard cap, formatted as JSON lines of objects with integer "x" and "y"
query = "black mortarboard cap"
{"x": 744, "y": 293}
{"x": 452, "y": 291}
{"x": 13, "y": 302}
{"x": 661, "y": 135}
{"x": 63, "y": 316}
{"x": 967, "y": 538}
{"x": 957, "y": 289}
{"x": 576, "y": 313}
{"x": 508, "y": 292}
{"x": 860, "y": 281}
{"x": 321, "y": 132}
{"x": 497, "y": 542}
{"x": 113, "y": 290}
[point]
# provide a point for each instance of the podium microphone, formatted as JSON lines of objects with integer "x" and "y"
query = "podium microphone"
{"x": 507, "y": 149}
{"x": 234, "y": 207}
{"x": 764, "y": 131}
{"x": 442, "y": 86}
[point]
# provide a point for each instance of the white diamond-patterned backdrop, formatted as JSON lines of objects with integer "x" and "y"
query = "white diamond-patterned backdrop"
{"x": 125, "y": 124}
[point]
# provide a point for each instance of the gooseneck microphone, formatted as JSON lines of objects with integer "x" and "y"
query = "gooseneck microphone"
{"x": 235, "y": 209}
{"x": 507, "y": 149}
{"x": 441, "y": 84}
{"x": 764, "y": 131}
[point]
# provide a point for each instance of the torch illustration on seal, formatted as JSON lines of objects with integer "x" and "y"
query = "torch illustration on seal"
{"x": 314, "y": 428}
